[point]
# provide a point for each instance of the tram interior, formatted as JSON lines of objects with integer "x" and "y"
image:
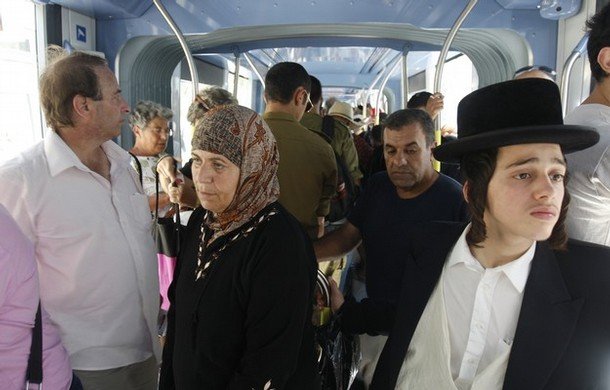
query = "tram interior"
{"x": 363, "y": 51}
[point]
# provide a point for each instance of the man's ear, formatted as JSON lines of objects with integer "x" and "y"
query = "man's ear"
{"x": 466, "y": 190}
{"x": 603, "y": 59}
{"x": 297, "y": 97}
{"x": 430, "y": 149}
{"x": 80, "y": 106}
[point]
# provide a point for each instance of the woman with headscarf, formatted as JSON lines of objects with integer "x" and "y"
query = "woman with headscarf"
{"x": 182, "y": 191}
{"x": 242, "y": 294}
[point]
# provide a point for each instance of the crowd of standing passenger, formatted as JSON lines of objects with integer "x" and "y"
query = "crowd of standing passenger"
{"x": 466, "y": 280}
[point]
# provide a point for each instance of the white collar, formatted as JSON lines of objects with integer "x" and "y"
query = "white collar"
{"x": 517, "y": 271}
{"x": 61, "y": 157}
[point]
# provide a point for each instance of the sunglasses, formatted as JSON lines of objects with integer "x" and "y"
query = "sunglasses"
{"x": 309, "y": 105}
{"x": 549, "y": 71}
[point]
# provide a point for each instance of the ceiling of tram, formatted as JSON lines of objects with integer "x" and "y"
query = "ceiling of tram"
{"x": 207, "y": 15}
{"x": 121, "y": 20}
{"x": 130, "y": 18}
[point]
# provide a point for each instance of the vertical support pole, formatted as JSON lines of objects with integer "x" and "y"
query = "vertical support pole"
{"x": 441, "y": 63}
{"x": 382, "y": 86}
{"x": 236, "y": 78}
{"x": 405, "y": 80}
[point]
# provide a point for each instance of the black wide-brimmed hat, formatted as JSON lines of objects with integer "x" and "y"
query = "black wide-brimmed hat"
{"x": 510, "y": 113}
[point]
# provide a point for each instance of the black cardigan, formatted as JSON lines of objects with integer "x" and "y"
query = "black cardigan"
{"x": 248, "y": 321}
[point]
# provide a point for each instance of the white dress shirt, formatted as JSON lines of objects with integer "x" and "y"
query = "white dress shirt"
{"x": 427, "y": 362}
{"x": 482, "y": 307}
{"x": 95, "y": 253}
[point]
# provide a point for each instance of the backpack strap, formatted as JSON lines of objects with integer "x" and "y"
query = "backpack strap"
{"x": 34, "y": 370}
{"x": 328, "y": 126}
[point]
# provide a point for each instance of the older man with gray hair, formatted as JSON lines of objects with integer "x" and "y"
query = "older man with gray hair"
{"x": 75, "y": 196}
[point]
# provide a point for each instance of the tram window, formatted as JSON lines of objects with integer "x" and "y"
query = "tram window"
{"x": 186, "y": 133}
{"x": 244, "y": 89}
{"x": 19, "y": 104}
{"x": 459, "y": 79}
{"x": 244, "y": 97}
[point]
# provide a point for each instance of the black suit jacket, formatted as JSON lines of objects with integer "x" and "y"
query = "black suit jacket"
{"x": 562, "y": 340}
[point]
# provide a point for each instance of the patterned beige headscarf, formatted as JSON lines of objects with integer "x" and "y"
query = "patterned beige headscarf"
{"x": 240, "y": 135}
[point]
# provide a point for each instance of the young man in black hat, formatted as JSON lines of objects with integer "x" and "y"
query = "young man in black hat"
{"x": 505, "y": 302}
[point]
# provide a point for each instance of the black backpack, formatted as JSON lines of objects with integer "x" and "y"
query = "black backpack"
{"x": 343, "y": 200}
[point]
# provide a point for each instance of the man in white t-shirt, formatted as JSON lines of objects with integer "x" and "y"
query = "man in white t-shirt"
{"x": 589, "y": 185}
{"x": 76, "y": 197}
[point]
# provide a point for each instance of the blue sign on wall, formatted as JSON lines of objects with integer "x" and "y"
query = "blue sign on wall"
{"x": 81, "y": 33}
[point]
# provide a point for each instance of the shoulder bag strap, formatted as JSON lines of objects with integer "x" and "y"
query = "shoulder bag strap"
{"x": 176, "y": 211}
{"x": 34, "y": 371}
{"x": 139, "y": 167}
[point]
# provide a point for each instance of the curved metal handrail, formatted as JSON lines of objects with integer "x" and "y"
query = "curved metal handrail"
{"x": 441, "y": 63}
{"x": 256, "y": 72}
{"x": 578, "y": 51}
{"x": 185, "y": 48}
{"x": 145, "y": 64}
{"x": 391, "y": 70}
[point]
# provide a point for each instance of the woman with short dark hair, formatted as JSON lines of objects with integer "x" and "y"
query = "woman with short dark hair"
{"x": 150, "y": 123}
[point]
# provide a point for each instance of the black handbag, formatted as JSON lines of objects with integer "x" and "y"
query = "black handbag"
{"x": 338, "y": 353}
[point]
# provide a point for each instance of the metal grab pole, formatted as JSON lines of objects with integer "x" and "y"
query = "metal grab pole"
{"x": 236, "y": 79}
{"x": 382, "y": 86}
{"x": 405, "y": 80}
{"x": 369, "y": 91}
{"x": 441, "y": 63}
{"x": 256, "y": 72}
{"x": 185, "y": 48}
{"x": 578, "y": 51}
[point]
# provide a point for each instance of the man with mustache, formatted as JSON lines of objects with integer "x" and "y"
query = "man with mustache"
{"x": 409, "y": 192}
